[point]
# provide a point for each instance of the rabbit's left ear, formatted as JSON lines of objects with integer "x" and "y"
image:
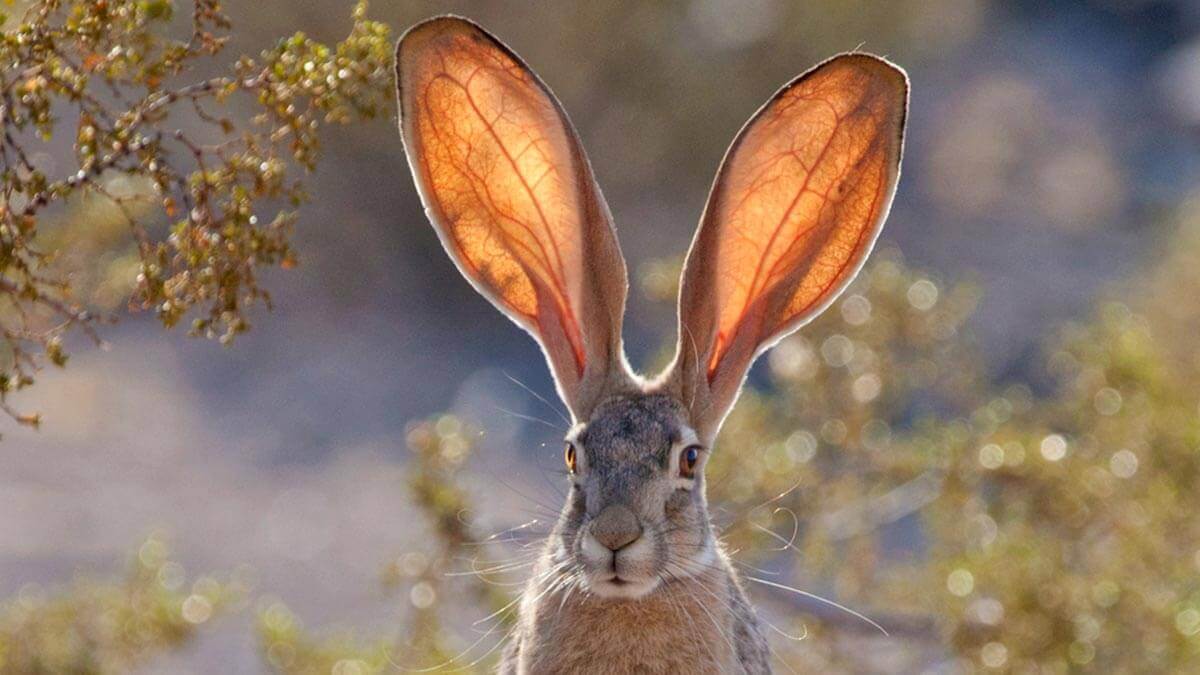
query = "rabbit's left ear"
{"x": 796, "y": 207}
{"x": 507, "y": 187}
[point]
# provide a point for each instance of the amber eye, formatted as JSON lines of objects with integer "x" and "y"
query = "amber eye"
{"x": 687, "y": 461}
{"x": 569, "y": 456}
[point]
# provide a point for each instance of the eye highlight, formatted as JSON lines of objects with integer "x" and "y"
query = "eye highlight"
{"x": 688, "y": 457}
{"x": 569, "y": 456}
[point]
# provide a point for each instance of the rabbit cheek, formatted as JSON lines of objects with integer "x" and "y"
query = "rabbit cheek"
{"x": 678, "y": 503}
{"x": 686, "y": 543}
{"x": 572, "y": 525}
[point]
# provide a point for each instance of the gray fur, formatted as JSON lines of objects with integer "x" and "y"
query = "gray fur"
{"x": 706, "y": 623}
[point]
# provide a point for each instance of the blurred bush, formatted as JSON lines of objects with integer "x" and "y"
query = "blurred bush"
{"x": 449, "y": 577}
{"x": 96, "y": 628}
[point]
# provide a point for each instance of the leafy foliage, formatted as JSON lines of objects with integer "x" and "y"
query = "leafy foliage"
{"x": 203, "y": 208}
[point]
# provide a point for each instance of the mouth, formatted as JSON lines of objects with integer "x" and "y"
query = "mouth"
{"x": 616, "y": 586}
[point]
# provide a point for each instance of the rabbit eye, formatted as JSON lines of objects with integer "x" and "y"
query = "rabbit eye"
{"x": 687, "y": 461}
{"x": 569, "y": 456}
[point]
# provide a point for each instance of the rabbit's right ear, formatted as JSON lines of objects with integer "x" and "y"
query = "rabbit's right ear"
{"x": 510, "y": 192}
{"x": 796, "y": 206}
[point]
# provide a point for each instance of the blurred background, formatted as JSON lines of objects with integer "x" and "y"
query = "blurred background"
{"x": 1047, "y": 203}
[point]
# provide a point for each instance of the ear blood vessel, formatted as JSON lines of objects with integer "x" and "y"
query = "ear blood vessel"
{"x": 632, "y": 578}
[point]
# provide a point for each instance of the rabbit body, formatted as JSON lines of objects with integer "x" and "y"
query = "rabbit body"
{"x": 632, "y": 578}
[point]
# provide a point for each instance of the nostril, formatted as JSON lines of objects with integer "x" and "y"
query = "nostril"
{"x": 616, "y": 527}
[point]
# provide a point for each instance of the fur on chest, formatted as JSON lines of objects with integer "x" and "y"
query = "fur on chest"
{"x": 684, "y": 626}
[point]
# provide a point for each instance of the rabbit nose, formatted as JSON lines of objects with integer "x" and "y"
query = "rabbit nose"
{"x": 616, "y": 527}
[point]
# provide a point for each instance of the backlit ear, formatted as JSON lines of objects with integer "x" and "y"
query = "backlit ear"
{"x": 510, "y": 192}
{"x": 796, "y": 207}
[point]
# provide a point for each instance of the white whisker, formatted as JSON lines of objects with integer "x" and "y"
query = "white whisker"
{"x": 818, "y": 598}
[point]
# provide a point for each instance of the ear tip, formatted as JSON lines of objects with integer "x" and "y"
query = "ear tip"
{"x": 875, "y": 66}
{"x": 420, "y": 34}
{"x": 441, "y": 23}
{"x": 434, "y": 27}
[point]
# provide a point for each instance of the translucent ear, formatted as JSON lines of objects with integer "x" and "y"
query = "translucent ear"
{"x": 510, "y": 192}
{"x": 795, "y": 208}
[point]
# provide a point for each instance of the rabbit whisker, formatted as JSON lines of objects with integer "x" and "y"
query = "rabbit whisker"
{"x": 529, "y": 418}
{"x": 789, "y": 636}
{"x": 552, "y": 407}
{"x": 822, "y": 600}
{"x": 789, "y": 543}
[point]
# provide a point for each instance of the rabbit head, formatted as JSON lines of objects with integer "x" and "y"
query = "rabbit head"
{"x": 794, "y": 211}
{"x": 635, "y": 513}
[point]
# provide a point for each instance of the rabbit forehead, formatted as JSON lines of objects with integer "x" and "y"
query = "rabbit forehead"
{"x": 630, "y": 432}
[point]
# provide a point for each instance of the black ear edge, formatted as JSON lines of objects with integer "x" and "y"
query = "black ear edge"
{"x": 882, "y": 66}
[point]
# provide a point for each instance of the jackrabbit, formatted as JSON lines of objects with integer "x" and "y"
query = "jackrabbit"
{"x": 632, "y": 578}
